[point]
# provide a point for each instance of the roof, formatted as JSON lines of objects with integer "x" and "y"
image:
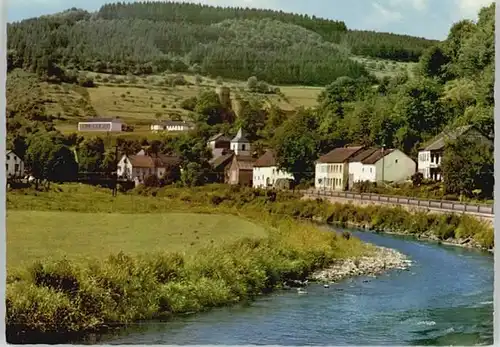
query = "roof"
{"x": 268, "y": 159}
{"x": 175, "y": 122}
{"x": 156, "y": 161}
{"x": 221, "y": 160}
{"x": 240, "y": 137}
{"x": 339, "y": 155}
{"x": 370, "y": 156}
{"x": 219, "y": 137}
{"x": 439, "y": 141}
{"x": 244, "y": 162}
{"x": 376, "y": 156}
{"x": 8, "y": 151}
{"x": 102, "y": 120}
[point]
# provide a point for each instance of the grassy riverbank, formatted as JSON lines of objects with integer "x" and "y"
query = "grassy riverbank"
{"x": 154, "y": 278}
{"x": 56, "y": 299}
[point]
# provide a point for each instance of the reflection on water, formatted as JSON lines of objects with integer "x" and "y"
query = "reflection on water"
{"x": 445, "y": 299}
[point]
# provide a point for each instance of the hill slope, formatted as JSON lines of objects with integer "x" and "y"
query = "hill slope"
{"x": 146, "y": 38}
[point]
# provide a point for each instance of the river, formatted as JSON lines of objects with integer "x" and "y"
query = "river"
{"x": 445, "y": 299}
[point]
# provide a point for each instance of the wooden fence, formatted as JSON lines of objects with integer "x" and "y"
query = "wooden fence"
{"x": 445, "y": 205}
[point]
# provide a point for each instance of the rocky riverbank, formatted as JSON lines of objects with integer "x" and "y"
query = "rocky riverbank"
{"x": 468, "y": 242}
{"x": 382, "y": 260}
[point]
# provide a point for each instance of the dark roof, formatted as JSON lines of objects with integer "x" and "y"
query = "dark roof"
{"x": 240, "y": 137}
{"x": 244, "y": 162}
{"x": 8, "y": 151}
{"x": 219, "y": 137}
{"x": 439, "y": 141}
{"x": 362, "y": 155}
{"x": 266, "y": 160}
{"x": 339, "y": 155}
{"x": 370, "y": 156}
{"x": 99, "y": 120}
{"x": 154, "y": 161}
{"x": 376, "y": 156}
{"x": 221, "y": 160}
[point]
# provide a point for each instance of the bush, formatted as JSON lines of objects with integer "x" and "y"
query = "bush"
{"x": 189, "y": 103}
{"x": 151, "y": 181}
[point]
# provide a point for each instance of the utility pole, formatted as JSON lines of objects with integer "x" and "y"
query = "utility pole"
{"x": 115, "y": 174}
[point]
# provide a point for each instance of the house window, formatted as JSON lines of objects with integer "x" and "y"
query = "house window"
{"x": 243, "y": 147}
{"x": 8, "y": 157}
{"x": 363, "y": 170}
{"x": 396, "y": 161}
{"x": 370, "y": 170}
{"x": 6, "y": 167}
{"x": 16, "y": 167}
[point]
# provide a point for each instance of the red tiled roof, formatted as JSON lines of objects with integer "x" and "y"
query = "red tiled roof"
{"x": 266, "y": 160}
{"x": 160, "y": 160}
{"x": 339, "y": 155}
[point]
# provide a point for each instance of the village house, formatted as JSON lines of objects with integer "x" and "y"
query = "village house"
{"x": 332, "y": 169}
{"x": 240, "y": 170}
{"x": 101, "y": 124}
{"x": 14, "y": 165}
{"x": 220, "y": 166}
{"x": 172, "y": 125}
{"x": 381, "y": 165}
{"x": 224, "y": 149}
{"x": 219, "y": 144}
{"x": 431, "y": 156}
{"x": 137, "y": 167}
{"x": 266, "y": 172}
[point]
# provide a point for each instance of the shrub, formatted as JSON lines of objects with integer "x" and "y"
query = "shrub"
{"x": 151, "y": 181}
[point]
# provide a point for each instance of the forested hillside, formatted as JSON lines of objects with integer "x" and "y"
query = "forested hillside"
{"x": 146, "y": 38}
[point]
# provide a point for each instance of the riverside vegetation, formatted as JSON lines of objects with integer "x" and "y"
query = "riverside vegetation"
{"x": 65, "y": 298}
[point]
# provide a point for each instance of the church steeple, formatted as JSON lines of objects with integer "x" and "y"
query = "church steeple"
{"x": 240, "y": 144}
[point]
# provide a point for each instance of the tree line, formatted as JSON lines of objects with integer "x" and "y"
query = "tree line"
{"x": 369, "y": 43}
{"x": 146, "y": 38}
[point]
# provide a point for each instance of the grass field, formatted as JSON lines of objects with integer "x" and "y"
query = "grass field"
{"x": 140, "y": 100}
{"x": 41, "y": 235}
{"x": 144, "y": 101}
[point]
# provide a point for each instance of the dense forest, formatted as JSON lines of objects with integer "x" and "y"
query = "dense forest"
{"x": 145, "y": 38}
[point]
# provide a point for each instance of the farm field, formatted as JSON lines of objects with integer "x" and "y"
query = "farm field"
{"x": 41, "y": 235}
{"x": 142, "y": 100}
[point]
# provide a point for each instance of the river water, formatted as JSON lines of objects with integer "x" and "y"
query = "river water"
{"x": 445, "y": 299}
